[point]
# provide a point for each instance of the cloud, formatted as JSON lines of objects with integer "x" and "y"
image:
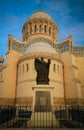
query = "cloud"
{"x": 76, "y": 31}
{"x": 67, "y": 14}
{"x": 69, "y": 18}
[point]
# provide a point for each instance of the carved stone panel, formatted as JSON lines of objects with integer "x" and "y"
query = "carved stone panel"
{"x": 42, "y": 101}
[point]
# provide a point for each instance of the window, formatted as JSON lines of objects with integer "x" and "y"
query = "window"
{"x": 1, "y": 76}
{"x": 23, "y": 68}
{"x": 20, "y": 69}
{"x": 30, "y": 30}
{"x": 9, "y": 46}
{"x": 45, "y": 28}
{"x": 40, "y": 28}
{"x": 26, "y": 27}
{"x": 58, "y": 69}
{"x": 54, "y": 67}
{"x": 35, "y": 27}
{"x": 27, "y": 67}
{"x": 49, "y": 30}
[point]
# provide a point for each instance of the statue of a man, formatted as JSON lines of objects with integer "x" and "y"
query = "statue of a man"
{"x": 42, "y": 69}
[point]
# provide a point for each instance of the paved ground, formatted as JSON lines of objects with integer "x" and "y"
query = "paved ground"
{"x": 42, "y": 128}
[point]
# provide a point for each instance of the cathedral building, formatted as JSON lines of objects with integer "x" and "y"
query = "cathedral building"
{"x": 39, "y": 71}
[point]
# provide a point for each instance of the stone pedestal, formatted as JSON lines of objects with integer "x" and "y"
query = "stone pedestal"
{"x": 43, "y": 98}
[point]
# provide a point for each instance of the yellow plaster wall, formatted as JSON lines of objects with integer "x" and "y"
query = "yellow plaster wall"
{"x": 27, "y": 79}
{"x": 2, "y": 76}
{"x": 71, "y": 90}
{"x": 76, "y": 75}
{"x": 80, "y": 66}
{"x": 9, "y": 86}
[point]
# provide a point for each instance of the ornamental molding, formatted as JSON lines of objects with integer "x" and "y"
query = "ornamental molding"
{"x": 59, "y": 82}
{"x": 74, "y": 66}
{"x": 78, "y": 51}
{"x": 39, "y": 55}
{"x": 59, "y": 47}
{"x": 28, "y": 80}
{"x": 39, "y": 20}
{"x": 45, "y": 87}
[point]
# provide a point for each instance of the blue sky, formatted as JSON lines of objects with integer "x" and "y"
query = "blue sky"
{"x": 68, "y": 15}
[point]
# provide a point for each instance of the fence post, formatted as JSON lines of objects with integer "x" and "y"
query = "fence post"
{"x": 25, "y": 116}
{"x": 52, "y": 115}
{"x": 78, "y": 116}
{"x": 60, "y": 116}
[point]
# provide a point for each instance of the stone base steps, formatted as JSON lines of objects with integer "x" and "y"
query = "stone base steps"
{"x": 42, "y": 119}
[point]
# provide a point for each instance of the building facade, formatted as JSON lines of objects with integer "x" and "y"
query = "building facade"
{"x": 40, "y": 71}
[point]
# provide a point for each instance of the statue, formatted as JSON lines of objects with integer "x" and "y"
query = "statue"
{"x": 42, "y": 69}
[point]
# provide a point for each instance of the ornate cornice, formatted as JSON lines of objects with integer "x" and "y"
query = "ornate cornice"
{"x": 45, "y": 87}
{"x": 56, "y": 81}
{"x": 64, "y": 46}
{"x": 28, "y": 80}
{"x": 58, "y": 47}
{"x": 78, "y": 51}
{"x": 39, "y": 55}
{"x": 74, "y": 66}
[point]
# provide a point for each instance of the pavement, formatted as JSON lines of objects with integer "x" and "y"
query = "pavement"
{"x": 42, "y": 128}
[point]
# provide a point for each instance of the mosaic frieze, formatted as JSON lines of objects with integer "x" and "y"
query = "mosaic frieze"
{"x": 60, "y": 48}
{"x": 78, "y": 51}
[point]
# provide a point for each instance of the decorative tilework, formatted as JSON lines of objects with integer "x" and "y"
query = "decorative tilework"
{"x": 78, "y": 51}
{"x": 63, "y": 47}
{"x": 17, "y": 47}
{"x": 60, "y": 48}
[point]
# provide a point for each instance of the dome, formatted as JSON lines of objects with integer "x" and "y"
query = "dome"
{"x": 40, "y": 47}
{"x": 40, "y": 14}
{"x": 41, "y": 25}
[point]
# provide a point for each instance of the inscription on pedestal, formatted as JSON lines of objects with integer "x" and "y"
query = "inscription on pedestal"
{"x": 42, "y": 101}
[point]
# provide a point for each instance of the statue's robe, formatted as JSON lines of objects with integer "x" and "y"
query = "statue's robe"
{"x": 42, "y": 69}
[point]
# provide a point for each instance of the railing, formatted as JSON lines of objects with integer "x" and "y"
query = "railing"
{"x": 24, "y": 116}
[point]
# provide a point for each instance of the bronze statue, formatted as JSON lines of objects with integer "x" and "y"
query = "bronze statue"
{"x": 42, "y": 69}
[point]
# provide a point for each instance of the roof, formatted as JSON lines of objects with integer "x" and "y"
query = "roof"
{"x": 40, "y": 47}
{"x": 40, "y": 14}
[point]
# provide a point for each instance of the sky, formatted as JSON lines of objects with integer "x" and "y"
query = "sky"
{"x": 67, "y": 14}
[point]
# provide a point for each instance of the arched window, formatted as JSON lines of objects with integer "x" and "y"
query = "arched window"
{"x": 20, "y": 69}
{"x": 54, "y": 67}
{"x": 30, "y": 30}
{"x": 9, "y": 46}
{"x": 35, "y": 27}
{"x": 58, "y": 68}
{"x": 27, "y": 67}
{"x": 23, "y": 68}
{"x": 45, "y": 28}
{"x": 40, "y": 28}
{"x": 49, "y": 30}
{"x": 1, "y": 76}
{"x": 27, "y": 27}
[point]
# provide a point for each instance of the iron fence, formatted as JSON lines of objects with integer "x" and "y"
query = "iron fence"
{"x": 25, "y": 116}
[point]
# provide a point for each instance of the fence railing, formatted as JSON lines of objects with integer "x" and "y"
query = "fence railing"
{"x": 25, "y": 116}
